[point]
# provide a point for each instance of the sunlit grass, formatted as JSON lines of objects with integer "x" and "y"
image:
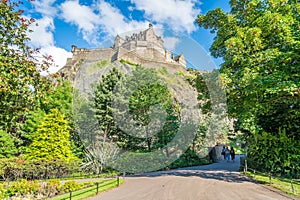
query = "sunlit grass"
{"x": 283, "y": 185}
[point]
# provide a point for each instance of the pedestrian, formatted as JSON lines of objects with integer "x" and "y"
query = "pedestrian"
{"x": 227, "y": 154}
{"x": 223, "y": 152}
{"x": 232, "y": 154}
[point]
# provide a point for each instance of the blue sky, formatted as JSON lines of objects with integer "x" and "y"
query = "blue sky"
{"x": 95, "y": 23}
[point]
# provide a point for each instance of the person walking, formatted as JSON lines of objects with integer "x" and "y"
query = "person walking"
{"x": 223, "y": 152}
{"x": 232, "y": 154}
{"x": 227, "y": 154}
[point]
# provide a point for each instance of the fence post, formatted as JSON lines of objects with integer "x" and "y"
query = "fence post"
{"x": 293, "y": 190}
{"x": 246, "y": 166}
{"x": 270, "y": 177}
{"x": 97, "y": 184}
{"x": 70, "y": 194}
{"x": 254, "y": 175}
{"x": 118, "y": 180}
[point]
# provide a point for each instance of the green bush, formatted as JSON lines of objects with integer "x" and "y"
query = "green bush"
{"x": 16, "y": 168}
{"x": 23, "y": 187}
{"x": 3, "y": 193}
{"x": 278, "y": 154}
{"x": 39, "y": 190}
{"x": 70, "y": 186}
{"x": 188, "y": 159}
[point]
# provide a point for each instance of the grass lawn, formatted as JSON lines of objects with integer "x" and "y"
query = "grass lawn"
{"x": 91, "y": 191}
{"x": 283, "y": 185}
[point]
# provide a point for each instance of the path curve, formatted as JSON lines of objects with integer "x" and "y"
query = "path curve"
{"x": 218, "y": 181}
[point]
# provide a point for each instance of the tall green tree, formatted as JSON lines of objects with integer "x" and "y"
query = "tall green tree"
{"x": 146, "y": 110}
{"x": 260, "y": 44}
{"x": 137, "y": 93}
{"x": 7, "y": 146}
{"x": 149, "y": 93}
{"x": 52, "y": 139}
{"x": 20, "y": 80}
{"x": 103, "y": 98}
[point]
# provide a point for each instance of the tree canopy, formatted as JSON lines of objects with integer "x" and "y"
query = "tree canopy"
{"x": 260, "y": 44}
{"x": 20, "y": 80}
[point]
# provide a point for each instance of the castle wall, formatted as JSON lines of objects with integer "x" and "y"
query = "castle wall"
{"x": 145, "y": 53}
{"x": 151, "y": 62}
{"x": 144, "y": 48}
{"x": 99, "y": 54}
{"x": 91, "y": 55}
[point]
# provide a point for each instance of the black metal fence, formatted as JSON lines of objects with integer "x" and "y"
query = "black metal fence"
{"x": 97, "y": 184}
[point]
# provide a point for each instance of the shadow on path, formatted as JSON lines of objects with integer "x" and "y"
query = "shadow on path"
{"x": 218, "y": 181}
{"x": 222, "y": 170}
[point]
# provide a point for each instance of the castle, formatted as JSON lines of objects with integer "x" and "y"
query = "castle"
{"x": 144, "y": 48}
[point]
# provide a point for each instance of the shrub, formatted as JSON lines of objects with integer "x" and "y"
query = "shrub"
{"x": 51, "y": 188}
{"x": 70, "y": 186}
{"x": 3, "y": 193}
{"x": 188, "y": 159}
{"x": 278, "y": 154}
{"x": 16, "y": 168}
{"x": 23, "y": 187}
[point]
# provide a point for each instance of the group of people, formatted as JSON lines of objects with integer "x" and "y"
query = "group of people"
{"x": 228, "y": 153}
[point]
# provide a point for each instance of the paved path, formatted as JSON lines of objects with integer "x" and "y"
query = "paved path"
{"x": 218, "y": 181}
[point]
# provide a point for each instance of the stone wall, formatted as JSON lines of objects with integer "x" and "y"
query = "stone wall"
{"x": 144, "y": 48}
{"x": 152, "y": 62}
{"x": 99, "y": 54}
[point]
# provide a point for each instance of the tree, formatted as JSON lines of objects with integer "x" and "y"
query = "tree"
{"x": 59, "y": 96}
{"x": 52, "y": 139}
{"x": 20, "y": 80}
{"x": 145, "y": 110}
{"x": 259, "y": 42}
{"x": 103, "y": 98}
{"x": 7, "y": 146}
{"x": 138, "y": 93}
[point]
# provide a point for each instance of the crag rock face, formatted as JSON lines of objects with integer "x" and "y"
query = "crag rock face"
{"x": 144, "y": 48}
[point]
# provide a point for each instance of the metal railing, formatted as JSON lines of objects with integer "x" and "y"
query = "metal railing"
{"x": 97, "y": 184}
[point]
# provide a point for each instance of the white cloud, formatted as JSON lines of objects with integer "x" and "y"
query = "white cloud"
{"x": 81, "y": 16}
{"x": 42, "y": 37}
{"x": 159, "y": 30}
{"x": 59, "y": 56}
{"x": 101, "y": 18}
{"x": 45, "y": 7}
{"x": 42, "y": 34}
{"x": 170, "y": 43}
{"x": 113, "y": 22}
{"x": 177, "y": 14}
